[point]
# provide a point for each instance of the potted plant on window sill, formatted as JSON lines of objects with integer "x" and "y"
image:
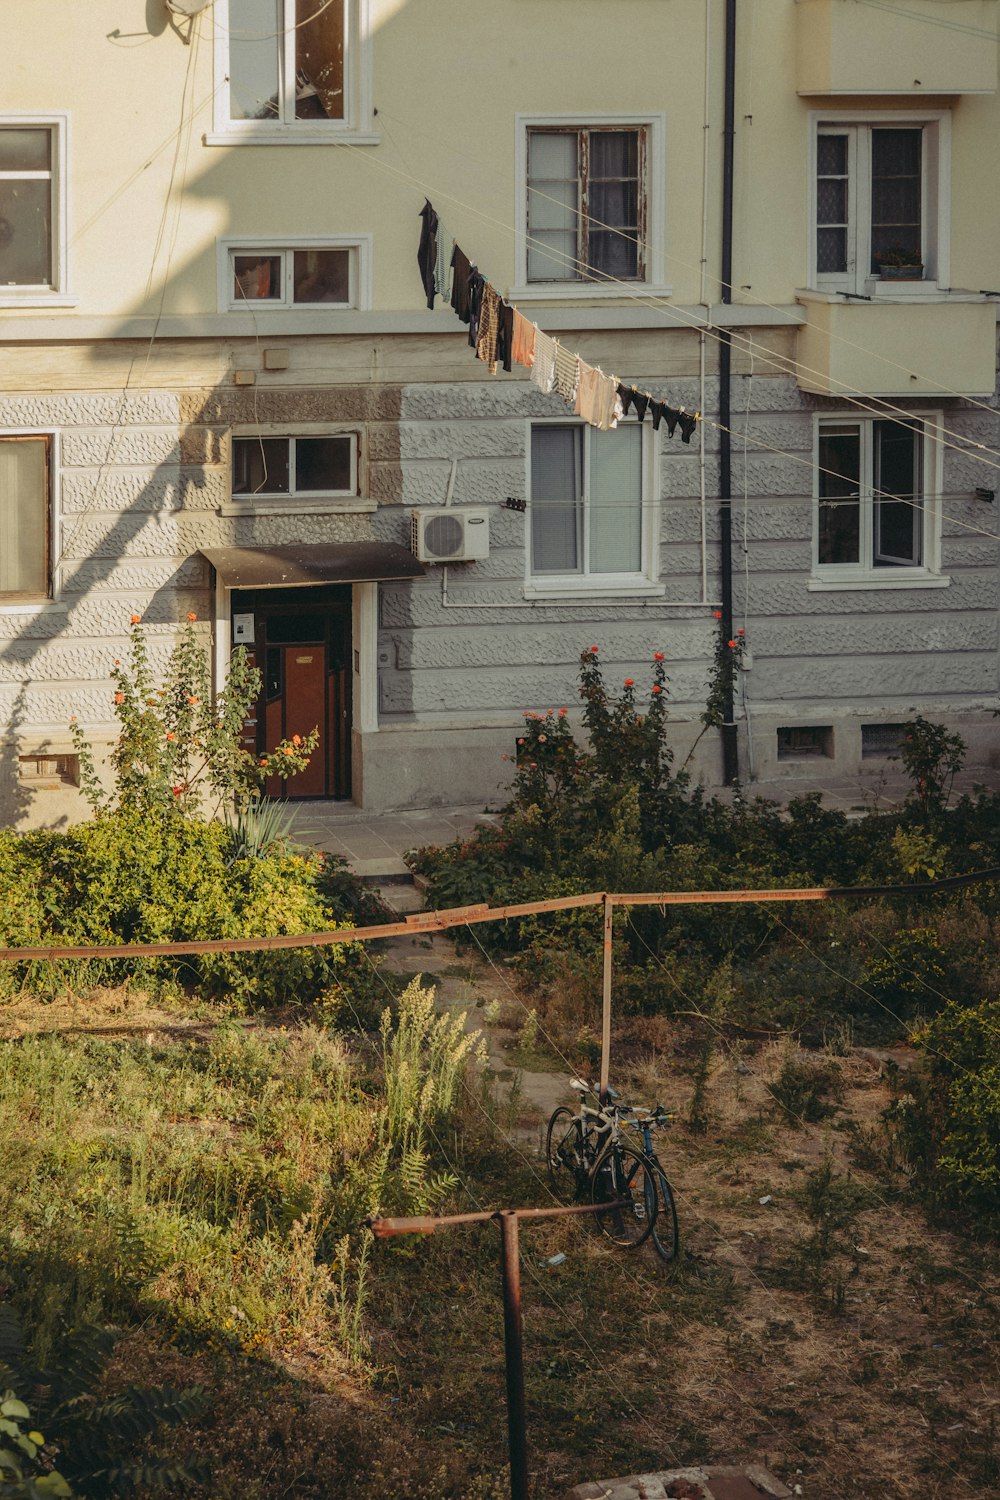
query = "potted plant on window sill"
{"x": 896, "y": 263}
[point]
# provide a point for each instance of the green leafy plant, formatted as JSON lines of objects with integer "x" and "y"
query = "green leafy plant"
{"x": 102, "y": 1440}
{"x": 177, "y": 748}
{"x": 931, "y": 758}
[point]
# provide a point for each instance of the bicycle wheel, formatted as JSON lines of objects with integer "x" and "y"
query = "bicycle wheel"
{"x": 666, "y": 1231}
{"x": 622, "y": 1173}
{"x": 564, "y": 1153}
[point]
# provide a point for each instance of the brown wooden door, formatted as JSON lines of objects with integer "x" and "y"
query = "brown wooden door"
{"x": 305, "y": 661}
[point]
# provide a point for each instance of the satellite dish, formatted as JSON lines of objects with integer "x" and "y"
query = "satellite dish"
{"x": 187, "y": 7}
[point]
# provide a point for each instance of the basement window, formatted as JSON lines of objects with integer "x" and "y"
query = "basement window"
{"x": 881, "y": 741}
{"x": 47, "y": 772}
{"x": 805, "y": 742}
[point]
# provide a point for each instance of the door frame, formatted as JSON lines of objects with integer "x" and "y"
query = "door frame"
{"x": 364, "y": 665}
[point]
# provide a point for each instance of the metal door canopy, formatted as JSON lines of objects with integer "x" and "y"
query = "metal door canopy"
{"x": 308, "y": 564}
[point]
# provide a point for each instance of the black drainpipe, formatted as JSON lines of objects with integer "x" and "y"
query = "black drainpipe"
{"x": 730, "y": 744}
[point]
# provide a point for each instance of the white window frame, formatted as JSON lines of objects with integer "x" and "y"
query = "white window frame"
{"x": 864, "y": 574}
{"x": 34, "y": 604}
{"x": 302, "y": 502}
{"x": 935, "y": 201}
{"x": 360, "y": 284}
{"x": 40, "y": 294}
{"x": 356, "y": 128}
{"x": 601, "y": 585}
{"x": 654, "y": 284}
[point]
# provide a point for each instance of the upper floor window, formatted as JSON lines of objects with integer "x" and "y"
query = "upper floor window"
{"x": 291, "y": 67}
{"x": 32, "y": 210}
{"x": 591, "y": 205}
{"x": 879, "y": 215}
{"x": 25, "y": 517}
{"x": 590, "y": 510}
{"x": 297, "y": 273}
{"x": 875, "y": 511}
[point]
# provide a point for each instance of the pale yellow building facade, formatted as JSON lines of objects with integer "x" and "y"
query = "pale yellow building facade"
{"x": 217, "y": 353}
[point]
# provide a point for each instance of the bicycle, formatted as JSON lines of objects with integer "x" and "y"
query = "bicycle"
{"x": 585, "y": 1151}
{"x": 666, "y": 1235}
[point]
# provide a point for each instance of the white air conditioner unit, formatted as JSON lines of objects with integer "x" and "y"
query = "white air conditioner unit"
{"x": 444, "y": 534}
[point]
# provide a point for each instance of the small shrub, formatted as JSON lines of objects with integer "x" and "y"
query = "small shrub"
{"x": 802, "y": 1090}
{"x": 948, "y": 1121}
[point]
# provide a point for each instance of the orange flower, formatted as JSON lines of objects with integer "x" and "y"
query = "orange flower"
{"x": 563, "y": 712}
{"x": 630, "y": 682}
{"x": 732, "y": 644}
{"x": 190, "y": 616}
{"x": 657, "y": 655}
{"x": 170, "y": 735}
{"x": 656, "y": 688}
{"x": 151, "y": 702}
{"x": 119, "y": 697}
{"x": 192, "y": 698}
{"x": 135, "y": 619}
{"x": 296, "y": 739}
{"x": 289, "y": 750}
{"x": 117, "y": 662}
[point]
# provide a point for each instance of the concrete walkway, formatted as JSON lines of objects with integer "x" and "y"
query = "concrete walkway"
{"x": 374, "y": 843}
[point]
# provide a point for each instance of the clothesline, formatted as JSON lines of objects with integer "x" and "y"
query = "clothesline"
{"x": 501, "y": 335}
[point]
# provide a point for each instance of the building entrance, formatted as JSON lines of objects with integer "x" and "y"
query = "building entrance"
{"x": 301, "y": 643}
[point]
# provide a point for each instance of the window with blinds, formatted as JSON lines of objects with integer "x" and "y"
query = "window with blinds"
{"x": 24, "y": 518}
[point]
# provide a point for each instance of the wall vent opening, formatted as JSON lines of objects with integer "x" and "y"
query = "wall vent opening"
{"x": 805, "y": 742}
{"x": 880, "y": 741}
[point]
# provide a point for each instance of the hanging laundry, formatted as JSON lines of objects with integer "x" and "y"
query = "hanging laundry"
{"x": 523, "y": 348}
{"x": 462, "y": 268}
{"x": 477, "y": 284}
{"x": 567, "y": 374}
{"x": 489, "y": 324}
{"x": 687, "y": 424}
{"x": 657, "y": 410}
{"x": 442, "y": 264}
{"x": 608, "y": 405}
{"x": 586, "y": 389}
{"x": 631, "y": 397}
{"x": 505, "y": 335}
{"x": 427, "y": 249}
{"x": 543, "y": 371}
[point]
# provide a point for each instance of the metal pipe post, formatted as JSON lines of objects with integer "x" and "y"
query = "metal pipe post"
{"x": 514, "y": 1354}
{"x": 606, "y": 1010}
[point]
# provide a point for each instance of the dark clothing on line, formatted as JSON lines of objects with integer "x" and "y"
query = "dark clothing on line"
{"x": 427, "y": 249}
{"x": 462, "y": 267}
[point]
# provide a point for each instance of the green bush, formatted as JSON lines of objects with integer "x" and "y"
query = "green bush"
{"x": 130, "y": 877}
{"x": 948, "y": 1121}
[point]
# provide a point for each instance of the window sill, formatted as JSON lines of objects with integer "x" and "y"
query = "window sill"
{"x": 290, "y": 136}
{"x": 892, "y": 291}
{"x": 914, "y": 579}
{"x": 258, "y": 305}
{"x": 31, "y": 607}
{"x": 578, "y": 588}
{"x": 350, "y": 505}
{"x": 576, "y": 291}
{"x": 37, "y": 299}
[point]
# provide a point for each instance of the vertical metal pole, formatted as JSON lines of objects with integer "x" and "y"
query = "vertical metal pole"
{"x": 514, "y": 1355}
{"x": 606, "y": 1013}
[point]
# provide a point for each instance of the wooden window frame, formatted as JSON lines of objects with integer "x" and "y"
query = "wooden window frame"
{"x": 32, "y": 596}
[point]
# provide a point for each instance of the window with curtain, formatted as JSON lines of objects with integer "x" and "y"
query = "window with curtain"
{"x": 24, "y": 517}
{"x": 872, "y": 510}
{"x": 586, "y": 207}
{"x": 587, "y": 502}
{"x": 27, "y": 208}
{"x": 287, "y": 60}
{"x": 876, "y": 204}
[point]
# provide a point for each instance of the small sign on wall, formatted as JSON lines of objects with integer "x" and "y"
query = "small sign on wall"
{"x": 243, "y": 630}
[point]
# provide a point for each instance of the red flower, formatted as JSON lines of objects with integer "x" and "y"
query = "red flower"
{"x": 732, "y": 644}
{"x": 717, "y": 614}
{"x": 119, "y": 697}
{"x": 741, "y": 632}
{"x": 563, "y": 712}
{"x": 177, "y": 790}
{"x": 656, "y": 688}
{"x": 592, "y": 649}
{"x": 117, "y": 662}
{"x": 630, "y": 682}
{"x": 135, "y": 619}
{"x": 657, "y": 655}
{"x": 190, "y": 616}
